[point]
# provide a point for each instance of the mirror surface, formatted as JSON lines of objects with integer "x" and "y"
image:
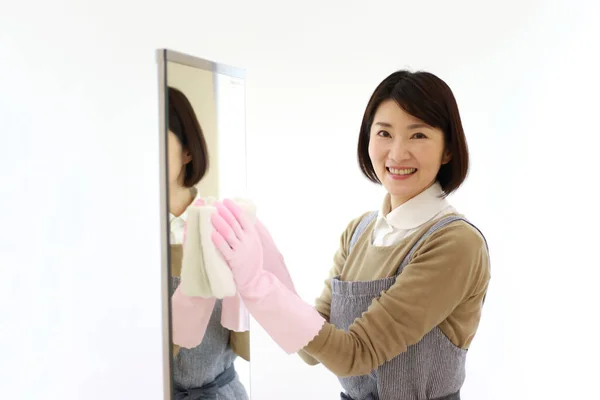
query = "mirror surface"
{"x": 203, "y": 157}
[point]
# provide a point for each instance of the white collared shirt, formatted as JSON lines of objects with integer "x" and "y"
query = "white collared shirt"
{"x": 391, "y": 227}
{"x": 177, "y": 224}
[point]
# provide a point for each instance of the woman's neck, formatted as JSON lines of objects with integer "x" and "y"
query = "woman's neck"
{"x": 179, "y": 199}
{"x": 396, "y": 202}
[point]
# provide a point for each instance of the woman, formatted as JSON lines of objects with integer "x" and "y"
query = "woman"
{"x": 403, "y": 300}
{"x": 205, "y": 370}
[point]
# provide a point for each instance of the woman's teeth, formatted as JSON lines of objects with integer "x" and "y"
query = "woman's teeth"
{"x": 406, "y": 171}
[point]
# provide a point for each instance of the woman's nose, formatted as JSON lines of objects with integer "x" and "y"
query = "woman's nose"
{"x": 399, "y": 151}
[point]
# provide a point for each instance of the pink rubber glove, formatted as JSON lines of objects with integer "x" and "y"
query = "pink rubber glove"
{"x": 273, "y": 261}
{"x": 243, "y": 251}
{"x": 234, "y": 316}
{"x": 290, "y": 322}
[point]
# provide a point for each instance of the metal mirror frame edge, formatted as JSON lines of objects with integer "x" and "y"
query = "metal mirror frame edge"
{"x": 162, "y": 57}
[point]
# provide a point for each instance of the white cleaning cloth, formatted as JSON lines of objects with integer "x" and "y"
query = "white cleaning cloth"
{"x": 204, "y": 272}
{"x": 194, "y": 279}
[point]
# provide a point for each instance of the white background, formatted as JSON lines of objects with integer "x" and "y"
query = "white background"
{"x": 79, "y": 248}
{"x": 231, "y": 125}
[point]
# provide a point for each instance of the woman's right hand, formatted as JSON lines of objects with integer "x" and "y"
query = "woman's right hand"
{"x": 236, "y": 238}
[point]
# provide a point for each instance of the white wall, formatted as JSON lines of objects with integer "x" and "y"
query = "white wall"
{"x": 80, "y": 297}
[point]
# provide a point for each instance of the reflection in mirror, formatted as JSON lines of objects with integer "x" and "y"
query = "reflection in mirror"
{"x": 203, "y": 141}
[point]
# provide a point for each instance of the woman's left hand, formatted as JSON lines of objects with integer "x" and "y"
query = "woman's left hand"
{"x": 235, "y": 237}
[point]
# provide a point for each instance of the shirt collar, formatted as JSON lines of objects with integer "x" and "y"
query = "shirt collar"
{"x": 184, "y": 215}
{"x": 416, "y": 211}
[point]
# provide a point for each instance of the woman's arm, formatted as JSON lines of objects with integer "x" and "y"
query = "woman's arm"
{"x": 444, "y": 273}
{"x": 240, "y": 344}
{"x": 449, "y": 268}
{"x": 323, "y": 302}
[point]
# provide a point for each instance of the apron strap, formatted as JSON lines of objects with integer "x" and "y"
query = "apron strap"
{"x": 437, "y": 226}
{"x": 367, "y": 219}
{"x": 360, "y": 228}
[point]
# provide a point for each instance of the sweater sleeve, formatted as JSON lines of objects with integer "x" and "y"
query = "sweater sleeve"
{"x": 240, "y": 344}
{"x": 444, "y": 272}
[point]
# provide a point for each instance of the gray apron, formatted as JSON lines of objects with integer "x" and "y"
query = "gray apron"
{"x": 432, "y": 369}
{"x": 207, "y": 371}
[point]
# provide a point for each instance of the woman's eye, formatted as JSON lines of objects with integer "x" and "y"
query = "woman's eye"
{"x": 383, "y": 134}
{"x": 419, "y": 136}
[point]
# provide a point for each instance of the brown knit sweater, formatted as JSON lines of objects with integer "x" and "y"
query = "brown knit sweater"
{"x": 444, "y": 285}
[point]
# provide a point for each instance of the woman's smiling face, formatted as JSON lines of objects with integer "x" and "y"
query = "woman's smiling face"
{"x": 405, "y": 152}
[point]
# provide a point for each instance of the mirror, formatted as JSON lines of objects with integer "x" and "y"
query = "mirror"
{"x": 202, "y": 157}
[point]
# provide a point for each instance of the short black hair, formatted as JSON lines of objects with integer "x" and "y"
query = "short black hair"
{"x": 184, "y": 124}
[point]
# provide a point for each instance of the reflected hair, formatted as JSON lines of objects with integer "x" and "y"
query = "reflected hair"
{"x": 182, "y": 121}
{"x": 428, "y": 98}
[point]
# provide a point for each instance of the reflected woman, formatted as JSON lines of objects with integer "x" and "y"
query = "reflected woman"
{"x": 404, "y": 297}
{"x": 204, "y": 369}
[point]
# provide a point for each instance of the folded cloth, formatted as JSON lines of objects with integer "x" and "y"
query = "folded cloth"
{"x": 194, "y": 278}
{"x": 204, "y": 273}
{"x": 215, "y": 267}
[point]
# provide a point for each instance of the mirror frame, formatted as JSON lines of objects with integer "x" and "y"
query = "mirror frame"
{"x": 163, "y": 57}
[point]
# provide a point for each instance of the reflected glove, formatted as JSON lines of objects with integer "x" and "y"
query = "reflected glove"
{"x": 291, "y": 322}
{"x": 190, "y": 317}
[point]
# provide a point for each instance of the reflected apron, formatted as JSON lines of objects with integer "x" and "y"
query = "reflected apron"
{"x": 207, "y": 371}
{"x": 432, "y": 369}
{"x": 208, "y": 391}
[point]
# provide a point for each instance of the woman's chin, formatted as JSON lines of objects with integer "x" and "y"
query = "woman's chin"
{"x": 402, "y": 193}
{"x": 400, "y": 188}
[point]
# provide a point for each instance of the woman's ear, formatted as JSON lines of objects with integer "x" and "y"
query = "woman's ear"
{"x": 446, "y": 157}
{"x": 187, "y": 157}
